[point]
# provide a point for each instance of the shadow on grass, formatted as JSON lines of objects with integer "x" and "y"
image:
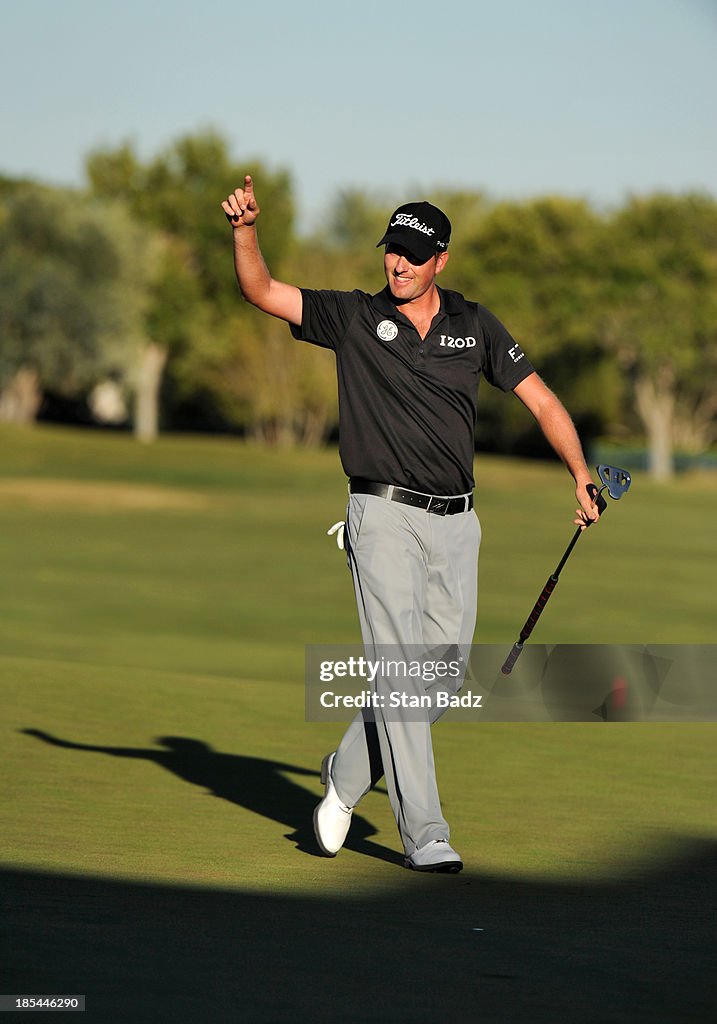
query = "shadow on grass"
{"x": 252, "y": 782}
{"x": 422, "y": 948}
{"x": 428, "y": 948}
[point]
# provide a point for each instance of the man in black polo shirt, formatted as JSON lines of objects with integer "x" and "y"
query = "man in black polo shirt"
{"x": 409, "y": 361}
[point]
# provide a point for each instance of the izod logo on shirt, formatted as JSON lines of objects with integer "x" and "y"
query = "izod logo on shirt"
{"x": 448, "y": 342}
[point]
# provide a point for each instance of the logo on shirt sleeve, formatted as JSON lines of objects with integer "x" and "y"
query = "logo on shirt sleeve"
{"x": 515, "y": 354}
{"x": 387, "y": 330}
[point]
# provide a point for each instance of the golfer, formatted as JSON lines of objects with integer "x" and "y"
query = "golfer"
{"x": 409, "y": 360}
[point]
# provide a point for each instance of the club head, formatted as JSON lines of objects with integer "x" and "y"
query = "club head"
{"x": 617, "y": 481}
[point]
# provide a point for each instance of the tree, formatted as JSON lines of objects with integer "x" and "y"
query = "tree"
{"x": 197, "y": 324}
{"x": 535, "y": 264}
{"x": 73, "y": 292}
{"x": 660, "y": 317}
{"x": 343, "y": 253}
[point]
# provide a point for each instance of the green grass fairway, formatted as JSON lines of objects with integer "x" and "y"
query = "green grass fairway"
{"x": 159, "y": 776}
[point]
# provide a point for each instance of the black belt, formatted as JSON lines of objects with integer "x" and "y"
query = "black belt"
{"x": 439, "y": 506}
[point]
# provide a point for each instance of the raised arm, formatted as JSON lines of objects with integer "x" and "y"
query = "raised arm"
{"x": 255, "y": 282}
{"x": 559, "y": 429}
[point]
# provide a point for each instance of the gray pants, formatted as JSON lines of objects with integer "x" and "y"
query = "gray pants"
{"x": 415, "y": 578}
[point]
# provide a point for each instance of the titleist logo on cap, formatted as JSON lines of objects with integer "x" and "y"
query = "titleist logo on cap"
{"x": 422, "y": 229}
{"x": 407, "y": 220}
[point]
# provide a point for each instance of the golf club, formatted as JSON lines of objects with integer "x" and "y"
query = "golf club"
{"x": 616, "y": 482}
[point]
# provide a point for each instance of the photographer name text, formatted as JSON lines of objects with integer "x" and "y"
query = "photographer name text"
{"x": 398, "y": 699}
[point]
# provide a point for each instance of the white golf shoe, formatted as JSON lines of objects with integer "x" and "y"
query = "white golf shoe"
{"x": 438, "y": 855}
{"x": 331, "y": 817}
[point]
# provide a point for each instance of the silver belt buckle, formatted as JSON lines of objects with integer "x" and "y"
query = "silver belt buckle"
{"x": 440, "y": 507}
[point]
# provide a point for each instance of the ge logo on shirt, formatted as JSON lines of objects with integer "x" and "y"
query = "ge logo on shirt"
{"x": 387, "y": 330}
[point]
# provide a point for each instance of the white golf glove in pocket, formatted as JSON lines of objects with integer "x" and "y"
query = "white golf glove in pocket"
{"x": 338, "y": 529}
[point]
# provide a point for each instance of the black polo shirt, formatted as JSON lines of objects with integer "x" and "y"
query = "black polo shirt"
{"x": 407, "y": 407}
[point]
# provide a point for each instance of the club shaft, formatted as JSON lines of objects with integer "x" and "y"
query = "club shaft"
{"x": 566, "y": 556}
{"x": 599, "y": 501}
{"x": 538, "y": 607}
{"x": 547, "y": 590}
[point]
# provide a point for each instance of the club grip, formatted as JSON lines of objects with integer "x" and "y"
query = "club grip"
{"x": 538, "y": 608}
{"x": 511, "y": 659}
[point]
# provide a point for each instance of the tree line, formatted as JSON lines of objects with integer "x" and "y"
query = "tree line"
{"x": 122, "y": 295}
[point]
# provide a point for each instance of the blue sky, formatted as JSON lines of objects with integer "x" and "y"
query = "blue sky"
{"x": 514, "y": 98}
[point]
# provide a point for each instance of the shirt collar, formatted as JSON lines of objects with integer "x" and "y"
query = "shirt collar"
{"x": 384, "y": 303}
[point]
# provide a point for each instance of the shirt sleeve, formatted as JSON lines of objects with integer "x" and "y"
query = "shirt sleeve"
{"x": 325, "y": 317}
{"x": 506, "y": 363}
